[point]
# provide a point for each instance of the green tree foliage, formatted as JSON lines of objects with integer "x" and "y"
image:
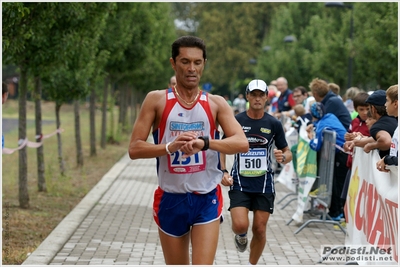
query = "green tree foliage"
{"x": 71, "y": 80}
{"x": 228, "y": 55}
{"x": 78, "y": 30}
{"x": 160, "y": 36}
{"x": 376, "y": 44}
{"x": 323, "y": 45}
{"x": 233, "y": 33}
{"x": 144, "y": 65}
{"x": 149, "y": 51}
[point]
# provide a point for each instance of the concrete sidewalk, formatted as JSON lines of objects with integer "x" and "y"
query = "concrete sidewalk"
{"x": 113, "y": 225}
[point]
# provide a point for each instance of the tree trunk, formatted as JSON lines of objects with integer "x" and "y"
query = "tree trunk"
{"x": 125, "y": 110}
{"x": 133, "y": 108}
{"x": 58, "y": 123}
{"x": 23, "y": 193}
{"x": 121, "y": 102}
{"x": 104, "y": 114}
{"x": 92, "y": 111}
{"x": 38, "y": 122}
{"x": 122, "y": 109}
{"x": 111, "y": 104}
{"x": 79, "y": 153}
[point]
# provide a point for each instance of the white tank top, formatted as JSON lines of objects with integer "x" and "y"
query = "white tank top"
{"x": 199, "y": 173}
{"x": 395, "y": 143}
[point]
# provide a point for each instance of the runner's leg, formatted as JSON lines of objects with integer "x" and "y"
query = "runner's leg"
{"x": 259, "y": 239}
{"x": 204, "y": 242}
{"x": 175, "y": 249}
{"x": 240, "y": 220}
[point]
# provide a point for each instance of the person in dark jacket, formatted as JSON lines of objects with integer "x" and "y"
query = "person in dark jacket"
{"x": 331, "y": 102}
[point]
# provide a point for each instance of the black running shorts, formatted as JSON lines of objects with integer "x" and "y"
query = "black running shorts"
{"x": 252, "y": 201}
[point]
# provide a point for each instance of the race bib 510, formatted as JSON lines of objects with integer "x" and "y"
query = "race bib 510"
{"x": 253, "y": 163}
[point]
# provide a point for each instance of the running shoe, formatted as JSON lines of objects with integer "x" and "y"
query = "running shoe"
{"x": 240, "y": 242}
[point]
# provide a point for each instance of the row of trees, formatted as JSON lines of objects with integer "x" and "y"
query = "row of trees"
{"x": 73, "y": 50}
{"x": 237, "y": 32}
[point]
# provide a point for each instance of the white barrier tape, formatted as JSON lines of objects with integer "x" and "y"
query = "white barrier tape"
{"x": 34, "y": 144}
{"x": 25, "y": 142}
{"x": 21, "y": 144}
{"x": 341, "y": 149}
{"x": 53, "y": 133}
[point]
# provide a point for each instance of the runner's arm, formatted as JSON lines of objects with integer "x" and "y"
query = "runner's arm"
{"x": 138, "y": 146}
{"x": 235, "y": 140}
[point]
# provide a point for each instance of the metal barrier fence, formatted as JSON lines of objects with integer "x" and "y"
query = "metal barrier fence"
{"x": 321, "y": 202}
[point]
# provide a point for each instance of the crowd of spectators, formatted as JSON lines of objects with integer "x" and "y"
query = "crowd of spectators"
{"x": 367, "y": 120}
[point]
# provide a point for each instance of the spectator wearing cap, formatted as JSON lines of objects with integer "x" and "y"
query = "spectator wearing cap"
{"x": 251, "y": 180}
{"x": 329, "y": 121}
{"x": 332, "y": 103}
{"x": 384, "y": 127}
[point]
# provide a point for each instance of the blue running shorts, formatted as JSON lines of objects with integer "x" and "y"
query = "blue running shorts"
{"x": 176, "y": 213}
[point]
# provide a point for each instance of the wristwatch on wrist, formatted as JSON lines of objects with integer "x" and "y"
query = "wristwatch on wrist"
{"x": 283, "y": 158}
{"x": 206, "y": 140}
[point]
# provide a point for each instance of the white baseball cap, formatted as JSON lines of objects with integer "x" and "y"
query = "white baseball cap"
{"x": 257, "y": 85}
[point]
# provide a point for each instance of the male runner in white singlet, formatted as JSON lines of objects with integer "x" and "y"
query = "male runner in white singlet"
{"x": 188, "y": 202}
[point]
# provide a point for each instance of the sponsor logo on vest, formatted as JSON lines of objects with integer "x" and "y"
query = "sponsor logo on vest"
{"x": 179, "y": 169}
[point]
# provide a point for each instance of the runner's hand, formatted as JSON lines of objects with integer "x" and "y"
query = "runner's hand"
{"x": 227, "y": 179}
{"x": 278, "y": 155}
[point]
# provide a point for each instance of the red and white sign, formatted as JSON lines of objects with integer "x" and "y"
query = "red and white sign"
{"x": 372, "y": 205}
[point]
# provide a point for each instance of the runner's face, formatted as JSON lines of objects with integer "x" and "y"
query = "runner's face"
{"x": 257, "y": 99}
{"x": 188, "y": 67}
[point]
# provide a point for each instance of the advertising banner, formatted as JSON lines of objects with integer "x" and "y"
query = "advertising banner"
{"x": 372, "y": 208}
